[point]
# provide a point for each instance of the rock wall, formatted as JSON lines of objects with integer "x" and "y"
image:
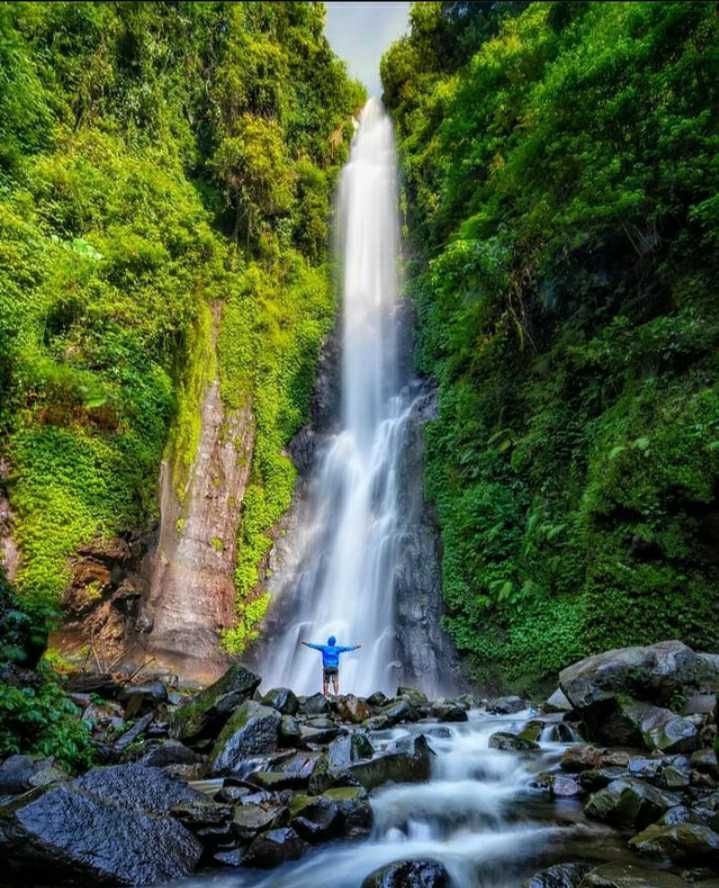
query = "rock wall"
{"x": 192, "y": 593}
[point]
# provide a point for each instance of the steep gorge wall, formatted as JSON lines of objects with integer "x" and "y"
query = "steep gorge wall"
{"x": 560, "y": 182}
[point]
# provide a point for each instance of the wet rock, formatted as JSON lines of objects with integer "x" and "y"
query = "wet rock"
{"x": 348, "y": 749}
{"x": 661, "y": 729}
{"x": 412, "y": 766}
{"x": 681, "y": 842}
{"x": 142, "y": 698}
{"x": 352, "y": 709}
{"x": 598, "y": 778}
{"x": 401, "y": 711}
{"x": 355, "y": 810}
{"x": 629, "y": 804}
{"x": 272, "y": 848}
{"x": 308, "y": 734}
{"x": 20, "y": 773}
{"x": 377, "y": 723}
{"x": 290, "y": 731}
{"x": 317, "y": 704}
{"x": 283, "y": 700}
{"x": 511, "y": 743}
{"x": 170, "y": 752}
{"x": 532, "y": 731}
{"x": 252, "y": 730}
{"x": 506, "y": 705}
{"x": 413, "y": 696}
{"x": 204, "y": 716}
{"x": 137, "y": 786}
{"x": 233, "y": 857}
{"x": 232, "y": 794}
{"x": 448, "y": 711}
{"x": 117, "y": 810}
{"x": 251, "y": 818}
{"x": 702, "y": 704}
{"x": 292, "y": 773}
{"x": 318, "y": 820}
{"x": 583, "y": 758}
{"x": 705, "y": 760}
{"x": 653, "y": 673}
{"x": 378, "y": 699}
{"x": 199, "y": 815}
{"x": 563, "y": 875}
{"x": 558, "y": 702}
{"x": 563, "y": 786}
{"x": 675, "y": 776}
{"x": 409, "y": 874}
{"x": 622, "y": 875}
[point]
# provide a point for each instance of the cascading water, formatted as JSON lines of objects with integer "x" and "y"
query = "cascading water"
{"x": 357, "y": 522}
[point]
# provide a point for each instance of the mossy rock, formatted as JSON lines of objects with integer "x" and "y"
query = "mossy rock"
{"x": 204, "y": 716}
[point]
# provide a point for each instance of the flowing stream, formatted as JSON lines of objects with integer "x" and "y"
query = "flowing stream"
{"x": 480, "y": 815}
{"x": 356, "y": 525}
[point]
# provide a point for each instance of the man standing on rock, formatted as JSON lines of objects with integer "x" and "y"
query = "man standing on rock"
{"x": 331, "y": 661}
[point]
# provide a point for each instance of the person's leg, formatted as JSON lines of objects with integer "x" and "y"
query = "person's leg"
{"x": 324, "y": 683}
{"x": 336, "y": 682}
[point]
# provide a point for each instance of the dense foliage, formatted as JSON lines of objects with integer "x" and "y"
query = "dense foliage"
{"x": 560, "y": 184}
{"x": 156, "y": 160}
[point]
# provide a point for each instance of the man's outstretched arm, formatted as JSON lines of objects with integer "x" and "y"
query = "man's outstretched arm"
{"x": 315, "y": 647}
{"x": 354, "y": 647}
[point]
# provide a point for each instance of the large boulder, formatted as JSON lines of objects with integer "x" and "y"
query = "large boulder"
{"x": 108, "y": 827}
{"x": 348, "y": 749}
{"x": 624, "y": 875}
{"x": 252, "y": 730}
{"x": 627, "y": 722}
{"x": 283, "y": 700}
{"x": 206, "y": 713}
{"x": 562, "y": 875}
{"x": 317, "y": 704}
{"x": 653, "y": 673}
{"x": 680, "y": 842}
{"x": 627, "y": 803}
{"x": 413, "y": 765}
{"x": 409, "y": 874}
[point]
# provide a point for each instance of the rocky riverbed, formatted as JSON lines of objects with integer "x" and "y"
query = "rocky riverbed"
{"x": 613, "y": 782}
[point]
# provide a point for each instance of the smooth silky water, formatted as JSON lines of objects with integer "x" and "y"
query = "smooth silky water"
{"x": 347, "y": 554}
{"x": 479, "y": 814}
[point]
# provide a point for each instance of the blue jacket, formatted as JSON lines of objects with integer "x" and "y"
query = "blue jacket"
{"x": 330, "y": 653}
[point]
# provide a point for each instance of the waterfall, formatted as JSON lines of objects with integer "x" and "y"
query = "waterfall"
{"x": 357, "y": 520}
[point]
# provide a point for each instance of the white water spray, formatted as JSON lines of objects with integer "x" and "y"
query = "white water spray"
{"x": 348, "y": 555}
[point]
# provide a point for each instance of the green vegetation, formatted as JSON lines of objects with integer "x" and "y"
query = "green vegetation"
{"x": 560, "y": 183}
{"x": 157, "y": 160}
{"x": 161, "y": 165}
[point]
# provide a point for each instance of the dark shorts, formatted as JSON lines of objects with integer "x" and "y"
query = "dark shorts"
{"x": 333, "y": 670}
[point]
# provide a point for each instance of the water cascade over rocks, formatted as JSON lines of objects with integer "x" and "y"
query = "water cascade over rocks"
{"x": 359, "y": 561}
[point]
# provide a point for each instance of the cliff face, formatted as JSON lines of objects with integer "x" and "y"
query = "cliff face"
{"x": 191, "y": 597}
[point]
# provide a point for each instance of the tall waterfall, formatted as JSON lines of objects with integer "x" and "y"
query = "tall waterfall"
{"x": 355, "y": 523}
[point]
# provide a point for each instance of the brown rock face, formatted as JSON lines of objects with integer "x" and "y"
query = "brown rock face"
{"x": 192, "y": 587}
